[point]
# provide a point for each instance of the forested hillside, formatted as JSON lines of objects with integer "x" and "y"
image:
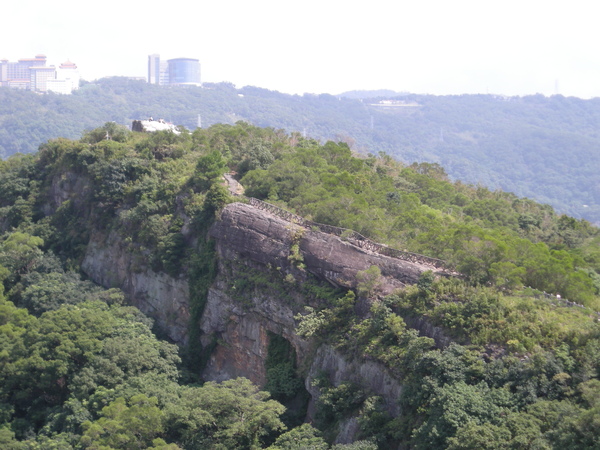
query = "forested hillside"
{"x": 543, "y": 148}
{"x": 81, "y": 369}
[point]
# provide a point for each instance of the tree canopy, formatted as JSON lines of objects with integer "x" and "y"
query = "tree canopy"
{"x": 81, "y": 369}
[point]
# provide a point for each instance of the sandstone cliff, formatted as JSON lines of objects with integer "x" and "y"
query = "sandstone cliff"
{"x": 109, "y": 262}
{"x": 250, "y": 239}
{"x": 267, "y": 239}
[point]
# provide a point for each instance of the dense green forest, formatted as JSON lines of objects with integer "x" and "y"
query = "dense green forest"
{"x": 544, "y": 148}
{"x": 82, "y": 370}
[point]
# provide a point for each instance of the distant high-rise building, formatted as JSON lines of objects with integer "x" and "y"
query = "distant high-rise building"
{"x": 184, "y": 71}
{"x": 164, "y": 73}
{"x": 18, "y": 74}
{"x": 154, "y": 69}
{"x": 178, "y": 71}
{"x": 33, "y": 74}
{"x": 39, "y": 77}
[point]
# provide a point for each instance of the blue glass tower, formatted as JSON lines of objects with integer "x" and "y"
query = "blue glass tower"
{"x": 184, "y": 71}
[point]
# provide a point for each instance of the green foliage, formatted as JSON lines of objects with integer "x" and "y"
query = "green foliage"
{"x": 490, "y": 237}
{"x": 203, "y": 270}
{"x": 92, "y": 375}
{"x": 336, "y": 402}
{"x": 232, "y": 414}
{"x": 171, "y": 253}
{"x": 481, "y": 315}
{"x": 130, "y": 425}
{"x": 333, "y": 315}
{"x": 209, "y": 169}
{"x": 73, "y": 349}
{"x": 295, "y": 256}
{"x": 258, "y": 156}
{"x": 368, "y": 281}
{"x": 71, "y": 242}
{"x": 18, "y": 253}
{"x": 216, "y": 198}
{"x": 459, "y": 404}
{"x": 415, "y": 208}
{"x": 526, "y": 373}
{"x": 109, "y": 131}
{"x": 299, "y": 438}
{"x": 283, "y": 383}
{"x": 43, "y": 292}
{"x": 534, "y": 146}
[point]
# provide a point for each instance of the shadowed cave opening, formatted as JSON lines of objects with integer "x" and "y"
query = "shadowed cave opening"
{"x": 284, "y": 383}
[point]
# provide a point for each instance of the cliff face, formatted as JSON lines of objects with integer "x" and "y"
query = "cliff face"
{"x": 248, "y": 239}
{"x": 109, "y": 263}
{"x": 267, "y": 239}
{"x": 67, "y": 186}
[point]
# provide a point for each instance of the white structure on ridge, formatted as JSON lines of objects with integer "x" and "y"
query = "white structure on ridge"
{"x": 67, "y": 79}
{"x": 34, "y": 75}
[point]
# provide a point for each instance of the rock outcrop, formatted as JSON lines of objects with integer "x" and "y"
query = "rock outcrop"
{"x": 370, "y": 375}
{"x": 246, "y": 236}
{"x": 109, "y": 262}
{"x": 238, "y": 332}
{"x": 242, "y": 334}
{"x": 267, "y": 239}
{"x": 67, "y": 186}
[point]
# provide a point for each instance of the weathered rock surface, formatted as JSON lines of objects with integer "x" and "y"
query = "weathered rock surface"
{"x": 247, "y": 235}
{"x": 67, "y": 186}
{"x": 242, "y": 333}
{"x": 267, "y": 239}
{"x": 369, "y": 375}
{"x": 425, "y": 328}
{"x": 248, "y": 238}
{"x": 108, "y": 262}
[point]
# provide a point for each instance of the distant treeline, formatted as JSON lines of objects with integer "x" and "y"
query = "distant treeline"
{"x": 545, "y": 148}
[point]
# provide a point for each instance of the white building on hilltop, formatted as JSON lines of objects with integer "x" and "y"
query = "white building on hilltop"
{"x": 34, "y": 75}
{"x": 66, "y": 81}
{"x": 39, "y": 77}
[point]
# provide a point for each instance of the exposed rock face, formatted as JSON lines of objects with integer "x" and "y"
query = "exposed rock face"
{"x": 242, "y": 332}
{"x": 248, "y": 236}
{"x": 370, "y": 375}
{"x": 250, "y": 239}
{"x": 108, "y": 262}
{"x": 67, "y": 186}
{"x": 267, "y": 239}
{"x": 425, "y": 328}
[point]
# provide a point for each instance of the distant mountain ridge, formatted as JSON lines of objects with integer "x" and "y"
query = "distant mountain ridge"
{"x": 362, "y": 94}
{"x": 545, "y": 148}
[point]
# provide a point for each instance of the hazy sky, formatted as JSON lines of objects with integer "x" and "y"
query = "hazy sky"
{"x": 510, "y": 47}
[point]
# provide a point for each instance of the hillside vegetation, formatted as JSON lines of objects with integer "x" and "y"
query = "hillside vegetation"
{"x": 538, "y": 147}
{"x": 80, "y": 368}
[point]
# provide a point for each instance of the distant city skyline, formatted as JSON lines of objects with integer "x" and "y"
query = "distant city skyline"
{"x": 174, "y": 71}
{"x": 508, "y": 47}
{"x": 33, "y": 74}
